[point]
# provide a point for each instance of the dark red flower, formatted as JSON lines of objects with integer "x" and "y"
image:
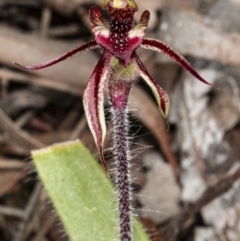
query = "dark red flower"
{"x": 119, "y": 64}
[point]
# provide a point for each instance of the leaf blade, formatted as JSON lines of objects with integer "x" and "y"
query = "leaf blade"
{"x": 80, "y": 191}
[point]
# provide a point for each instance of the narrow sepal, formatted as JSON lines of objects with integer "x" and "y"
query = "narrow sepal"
{"x": 160, "y": 95}
{"x": 99, "y": 30}
{"x": 161, "y": 47}
{"x": 95, "y": 17}
{"x": 87, "y": 46}
{"x": 93, "y": 102}
{"x": 143, "y": 23}
{"x": 136, "y": 35}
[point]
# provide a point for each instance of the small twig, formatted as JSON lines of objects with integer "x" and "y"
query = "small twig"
{"x": 15, "y": 176}
{"x": 23, "y": 119}
{"x": 78, "y": 129}
{"x": 45, "y": 21}
{"x": 42, "y": 82}
{"x": 17, "y": 135}
{"x": 70, "y": 119}
{"x": 28, "y": 212}
{"x": 12, "y": 212}
{"x": 209, "y": 195}
{"x": 11, "y": 164}
{"x": 33, "y": 200}
{"x": 4, "y": 86}
{"x": 45, "y": 228}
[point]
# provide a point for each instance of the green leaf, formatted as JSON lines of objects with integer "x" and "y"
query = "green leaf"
{"x": 83, "y": 196}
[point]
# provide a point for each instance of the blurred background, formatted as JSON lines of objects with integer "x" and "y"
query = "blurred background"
{"x": 186, "y": 180}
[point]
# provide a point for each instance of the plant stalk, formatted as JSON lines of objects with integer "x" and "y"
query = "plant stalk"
{"x": 120, "y": 146}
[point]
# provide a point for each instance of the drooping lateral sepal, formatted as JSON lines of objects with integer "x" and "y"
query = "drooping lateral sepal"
{"x": 87, "y": 46}
{"x": 99, "y": 30}
{"x": 158, "y": 92}
{"x": 93, "y": 102}
{"x": 161, "y": 47}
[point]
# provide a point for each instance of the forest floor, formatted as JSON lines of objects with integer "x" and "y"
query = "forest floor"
{"x": 187, "y": 179}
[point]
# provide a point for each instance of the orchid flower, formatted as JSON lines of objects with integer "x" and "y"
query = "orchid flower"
{"x": 119, "y": 66}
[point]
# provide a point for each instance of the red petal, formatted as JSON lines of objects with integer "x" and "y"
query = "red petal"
{"x": 144, "y": 20}
{"x": 95, "y": 17}
{"x": 93, "y": 101}
{"x": 81, "y": 48}
{"x": 98, "y": 28}
{"x": 160, "y": 95}
{"x": 161, "y": 47}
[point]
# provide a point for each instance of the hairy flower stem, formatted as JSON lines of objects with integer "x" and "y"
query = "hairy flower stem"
{"x": 123, "y": 173}
{"x": 119, "y": 89}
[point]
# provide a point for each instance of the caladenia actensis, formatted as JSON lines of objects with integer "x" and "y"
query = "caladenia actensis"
{"x": 119, "y": 66}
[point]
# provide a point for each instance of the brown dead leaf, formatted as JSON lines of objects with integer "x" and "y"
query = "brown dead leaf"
{"x": 16, "y": 135}
{"x": 41, "y": 82}
{"x": 8, "y": 179}
{"x": 192, "y": 34}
